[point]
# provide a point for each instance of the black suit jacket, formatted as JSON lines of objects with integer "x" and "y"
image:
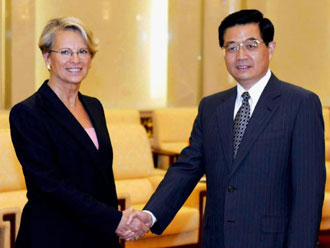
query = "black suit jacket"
{"x": 271, "y": 196}
{"x": 71, "y": 193}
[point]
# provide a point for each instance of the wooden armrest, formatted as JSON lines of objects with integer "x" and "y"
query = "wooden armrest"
{"x": 5, "y": 234}
{"x": 202, "y": 198}
{"x": 11, "y": 217}
{"x": 173, "y": 156}
{"x": 124, "y": 201}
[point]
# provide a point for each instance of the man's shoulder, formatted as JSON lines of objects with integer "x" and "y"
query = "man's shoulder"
{"x": 291, "y": 89}
{"x": 290, "y": 94}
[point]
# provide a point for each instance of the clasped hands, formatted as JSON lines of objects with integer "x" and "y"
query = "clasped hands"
{"x": 133, "y": 224}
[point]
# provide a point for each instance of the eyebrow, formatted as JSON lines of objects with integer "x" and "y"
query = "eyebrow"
{"x": 231, "y": 42}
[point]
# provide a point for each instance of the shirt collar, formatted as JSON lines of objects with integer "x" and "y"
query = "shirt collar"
{"x": 256, "y": 90}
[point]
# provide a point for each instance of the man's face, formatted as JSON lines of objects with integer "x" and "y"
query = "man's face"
{"x": 247, "y": 65}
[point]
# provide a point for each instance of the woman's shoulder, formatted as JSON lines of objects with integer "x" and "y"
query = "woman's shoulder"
{"x": 26, "y": 106}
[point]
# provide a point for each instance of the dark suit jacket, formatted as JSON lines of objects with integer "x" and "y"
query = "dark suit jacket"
{"x": 72, "y": 199}
{"x": 271, "y": 196}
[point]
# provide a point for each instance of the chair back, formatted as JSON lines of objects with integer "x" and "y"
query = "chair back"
{"x": 122, "y": 116}
{"x": 4, "y": 119}
{"x": 132, "y": 161}
{"x": 172, "y": 127}
{"x": 11, "y": 175}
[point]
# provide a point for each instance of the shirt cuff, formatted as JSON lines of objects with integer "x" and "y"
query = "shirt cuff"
{"x": 152, "y": 216}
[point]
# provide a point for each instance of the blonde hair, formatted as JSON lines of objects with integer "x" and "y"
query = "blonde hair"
{"x": 46, "y": 40}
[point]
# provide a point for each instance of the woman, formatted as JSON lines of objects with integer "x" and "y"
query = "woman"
{"x": 61, "y": 139}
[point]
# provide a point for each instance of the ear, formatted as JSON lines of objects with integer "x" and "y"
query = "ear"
{"x": 271, "y": 48}
{"x": 46, "y": 58}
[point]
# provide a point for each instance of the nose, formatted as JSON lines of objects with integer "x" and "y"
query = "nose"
{"x": 241, "y": 54}
{"x": 74, "y": 57}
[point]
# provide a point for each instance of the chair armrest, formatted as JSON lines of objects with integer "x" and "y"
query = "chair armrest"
{"x": 155, "y": 180}
{"x": 5, "y": 234}
{"x": 160, "y": 172}
{"x": 124, "y": 201}
{"x": 173, "y": 156}
{"x": 193, "y": 199}
{"x": 9, "y": 220}
{"x": 202, "y": 199}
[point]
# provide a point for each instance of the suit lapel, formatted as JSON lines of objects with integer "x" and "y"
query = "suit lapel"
{"x": 93, "y": 110}
{"x": 225, "y": 120}
{"x": 265, "y": 109}
{"x": 57, "y": 110}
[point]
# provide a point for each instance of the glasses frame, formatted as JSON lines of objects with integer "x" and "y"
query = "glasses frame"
{"x": 69, "y": 56}
{"x": 240, "y": 45}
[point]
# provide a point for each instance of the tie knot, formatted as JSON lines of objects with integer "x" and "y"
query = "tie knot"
{"x": 246, "y": 96}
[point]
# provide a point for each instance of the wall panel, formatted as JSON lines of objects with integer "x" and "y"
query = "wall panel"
{"x": 119, "y": 76}
{"x": 302, "y": 33}
{"x": 120, "y": 73}
{"x": 215, "y": 75}
{"x": 20, "y": 79}
{"x": 185, "y": 52}
{"x": 2, "y": 50}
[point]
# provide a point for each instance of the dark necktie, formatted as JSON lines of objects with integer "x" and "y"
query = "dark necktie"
{"x": 241, "y": 121}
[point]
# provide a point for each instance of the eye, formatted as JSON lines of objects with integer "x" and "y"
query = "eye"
{"x": 251, "y": 45}
{"x": 65, "y": 52}
{"x": 232, "y": 48}
{"x": 83, "y": 51}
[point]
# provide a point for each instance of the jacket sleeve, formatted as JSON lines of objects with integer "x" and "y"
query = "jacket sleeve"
{"x": 37, "y": 155}
{"x": 179, "y": 181}
{"x": 307, "y": 174}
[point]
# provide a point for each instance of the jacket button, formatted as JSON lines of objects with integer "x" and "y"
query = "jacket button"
{"x": 231, "y": 188}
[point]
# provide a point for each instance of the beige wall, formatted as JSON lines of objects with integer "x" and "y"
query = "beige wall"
{"x": 302, "y": 33}
{"x": 21, "y": 53}
{"x": 2, "y": 50}
{"x": 185, "y": 52}
{"x": 119, "y": 76}
{"x": 120, "y": 73}
{"x": 215, "y": 75}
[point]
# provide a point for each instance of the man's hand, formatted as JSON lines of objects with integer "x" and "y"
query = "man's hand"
{"x": 142, "y": 216}
{"x": 133, "y": 225}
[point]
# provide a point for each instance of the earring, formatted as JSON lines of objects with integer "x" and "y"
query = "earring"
{"x": 49, "y": 67}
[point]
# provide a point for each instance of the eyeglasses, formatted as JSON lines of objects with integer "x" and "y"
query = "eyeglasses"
{"x": 248, "y": 45}
{"x": 67, "y": 53}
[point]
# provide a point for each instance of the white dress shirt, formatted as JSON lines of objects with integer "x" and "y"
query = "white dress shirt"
{"x": 255, "y": 93}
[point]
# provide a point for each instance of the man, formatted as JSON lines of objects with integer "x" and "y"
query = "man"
{"x": 261, "y": 146}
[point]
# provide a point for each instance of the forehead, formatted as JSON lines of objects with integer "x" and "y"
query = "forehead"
{"x": 68, "y": 38}
{"x": 242, "y": 32}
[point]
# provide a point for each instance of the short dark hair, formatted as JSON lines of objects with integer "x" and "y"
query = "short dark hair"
{"x": 247, "y": 16}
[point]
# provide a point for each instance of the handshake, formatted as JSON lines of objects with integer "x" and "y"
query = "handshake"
{"x": 133, "y": 224}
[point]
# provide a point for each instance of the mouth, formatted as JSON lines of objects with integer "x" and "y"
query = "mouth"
{"x": 74, "y": 70}
{"x": 243, "y": 67}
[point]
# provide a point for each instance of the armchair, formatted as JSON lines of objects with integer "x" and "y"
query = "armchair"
{"x": 122, "y": 116}
{"x": 4, "y": 119}
{"x": 171, "y": 128}
{"x": 12, "y": 191}
{"x": 135, "y": 175}
{"x": 325, "y": 221}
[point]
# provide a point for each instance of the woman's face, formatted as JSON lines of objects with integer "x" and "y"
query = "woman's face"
{"x": 67, "y": 68}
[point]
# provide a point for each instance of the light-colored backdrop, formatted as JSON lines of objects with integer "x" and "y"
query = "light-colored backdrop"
{"x": 120, "y": 73}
